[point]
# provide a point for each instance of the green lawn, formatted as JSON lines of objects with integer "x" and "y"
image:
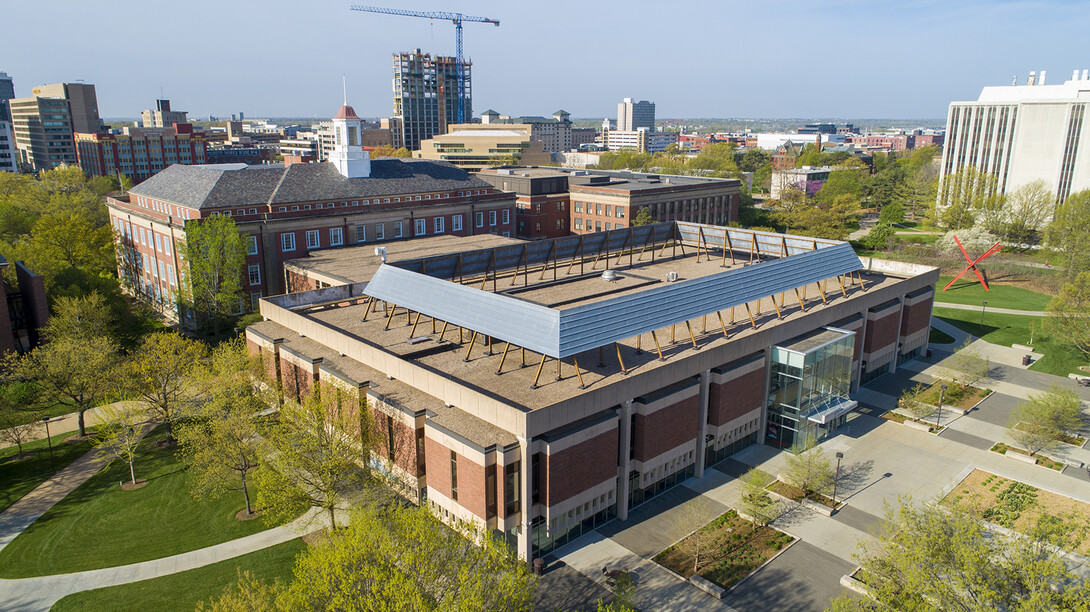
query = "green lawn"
{"x": 970, "y": 291}
{"x": 20, "y": 476}
{"x": 1005, "y": 329}
{"x": 182, "y": 591}
{"x": 99, "y": 525}
{"x": 918, "y": 238}
{"x": 940, "y": 337}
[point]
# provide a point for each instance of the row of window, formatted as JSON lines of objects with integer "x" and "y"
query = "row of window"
{"x": 597, "y": 208}
{"x": 162, "y": 207}
{"x": 595, "y": 226}
{"x": 420, "y": 227}
{"x": 146, "y": 237}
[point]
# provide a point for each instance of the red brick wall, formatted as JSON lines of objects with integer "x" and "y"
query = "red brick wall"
{"x": 579, "y": 467}
{"x": 664, "y": 429}
{"x": 881, "y": 332}
{"x": 916, "y": 317}
{"x": 404, "y": 441}
{"x": 470, "y": 477}
{"x": 292, "y": 374}
{"x": 437, "y": 463}
{"x": 299, "y": 282}
{"x": 734, "y": 398}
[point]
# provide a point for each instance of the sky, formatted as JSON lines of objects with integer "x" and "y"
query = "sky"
{"x": 896, "y": 59}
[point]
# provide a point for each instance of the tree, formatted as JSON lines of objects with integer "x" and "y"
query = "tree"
{"x": 921, "y": 188}
{"x": 1069, "y": 233}
{"x": 212, "y": 280}
{"x": 935, "y": 557}
{"x": 963, "y": 193}
{"x": 318, "y": 451}
{"x": 19, "y": 421}
{"x": 798, "y": 213}
{"x": 912, "y": 400}
{"x": 163, "y": 371}
{"x": 841, "y": 182}
{"x": 880, "y": 237}
{"x": 392, "y": 559}
{"x": 71, "y": 371}
{"x": 755, "y": 501}
{"x": 80, "y": 317}
{"x": 808, "y": 468}
{"x": 1047, "y": 418}
{"x": 966, "y": 367}
{"x": 753, "y": 159}
{"x": 643, "y": 217}
{"x": 119, "y": 434}
{"x": 892, "y": 213}
{"x": 220, "y": 444}
{"x": 1069, "y": 314}
{"x": 974, "y": 239}
{"x": 1026, "y": 210}
{"x": 701, "y": 542}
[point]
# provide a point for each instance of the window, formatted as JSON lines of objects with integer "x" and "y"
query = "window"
{"x": 355, "y": 202}
{"x": 578, "y": 207}
{"x": 380, "y": 231}
{"x": 511, "y": 488}
{"x": 142, "y": 236}
{"x": 253, "y": 211}
{"x": 506, "y": 216}
{"x": 336, "y": 236}
{"x": 559, "y": 224}
{"x": 560, "y": 206}
{"x": 480, "y": 219}
{"x": 620, "y": 212}
{"x": 421, "y": 227}
{"x": 294, "y": 208}
{"x": 491, "y": 218}
{"x": 287, "y": 241}
{"x": 283, "y": 209}
{"x": 241, "y": 211}
{"x": 344, "y": 204}
{"x": 437, "y": 222}
{"x": 490, "y": 490}
{"x": 158, "y": 242}
{"x": 453, "y": 475}
{"x": 313, "y": 240}
{"x": 251, "y": 245}
{"x": 456, "y": 223}
{"x": 320, "y": 206}
{"x": 609, "y": 210}
{"x": 255, "y": 274}
{"x": 609, "y": 226}
{"x": 578, "y": 224}
{"x": 255, "y": 301}
{"x": 306, "y": 207}
{"x": 398, "y": 232}
{"x": 597, "y": 209}
{"x": 361, "y": 233}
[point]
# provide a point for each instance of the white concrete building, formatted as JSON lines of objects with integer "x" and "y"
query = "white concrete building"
{"x": 772, "y": 141}
{"x": 632, "y": 115}
{"x": 643, "y": 140}
{"x": 1021, "y": 133}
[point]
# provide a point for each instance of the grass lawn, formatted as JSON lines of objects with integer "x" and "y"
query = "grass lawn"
{"x": 940, "y": 337}
{"x": 99, "y": 525}
{"x": 20, "y": 476}
{"x": 918, "y": 238}
{"x": 1001, "y": 296}
{"x": 182, "y": 591}
{"x": 737, "y": 550}
{"x": 1018, "y": 506}
{"x": 1006, "y": 329}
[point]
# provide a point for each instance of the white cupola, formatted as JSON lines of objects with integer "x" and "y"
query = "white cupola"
{"x": 348, "y": 154}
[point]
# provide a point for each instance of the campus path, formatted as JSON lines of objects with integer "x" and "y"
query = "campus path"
{"x": 39, "y": 594}
{"x": 1027, "y": 313}
{"x": 67, "y": 422}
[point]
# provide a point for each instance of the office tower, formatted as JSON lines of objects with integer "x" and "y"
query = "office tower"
{"x": 7, "y": 92}
{"x": 82, "y": 104}
{"x": 43, "y": 132}
{"x": 1022, "y": 133}
{"x": 632, "y": 115}
{"x": 426, "y": 96}
{"x": 162, "y": 116}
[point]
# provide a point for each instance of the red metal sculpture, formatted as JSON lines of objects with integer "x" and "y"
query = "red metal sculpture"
{"x": 972, "y": 263}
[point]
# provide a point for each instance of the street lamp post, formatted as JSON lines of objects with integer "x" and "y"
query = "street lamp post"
{"x": 983, "y": 307}
{"x": 49, "y": 441}
{"x": 836, "y": 480}
{"x": 942, "y": 397}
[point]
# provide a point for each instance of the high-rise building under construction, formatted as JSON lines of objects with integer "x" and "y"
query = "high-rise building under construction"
{"x": 426, "y": 96}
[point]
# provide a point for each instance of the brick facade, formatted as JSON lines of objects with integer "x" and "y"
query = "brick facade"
{"x": 735, "y": 398}
{"x": 662, "y": 430}
{"x": 579, "y": 467}
{"x": 881, "y": 332}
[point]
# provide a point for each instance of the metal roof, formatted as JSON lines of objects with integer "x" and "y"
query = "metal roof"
{"x": 568, "y": 332}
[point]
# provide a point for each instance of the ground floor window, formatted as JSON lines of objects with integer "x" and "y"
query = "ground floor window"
{"x": 547, "y": 537}
{"x": 638, "y": 495}
{"x": 713, "y": 455}
{"x": 868, "y": 376}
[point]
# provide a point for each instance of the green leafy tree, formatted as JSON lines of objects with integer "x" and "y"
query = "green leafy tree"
{"x": 643, "y": 217}
{"x": 921, "y": 189}
{"x": 892, "y": 213}
{"x": 317, "y": 450}
{"x": 1069, "y": 233}
{"x": 841, "y": 182}
{"x": 119, "y": 434}
{"x": 808, "y": 468}
{"x": 934, "y": 557}
{"x": 1069, "y": 314}
{"x": 753, "y": 159}
{"x": 755, "y": 500}
{"x": 880, "y": 237}
{"x": 163, "y": 372}
{"x": 962, "y": 194}
{"x": 967, "y": 366}
{"x": 1046, "y": 419}
{"x": 912, "y": 400}
{"x": 1021, "y": 212}
{"x": 212, "y": 279}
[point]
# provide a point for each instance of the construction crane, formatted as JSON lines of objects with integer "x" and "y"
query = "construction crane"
{"x": 457, "y": 18}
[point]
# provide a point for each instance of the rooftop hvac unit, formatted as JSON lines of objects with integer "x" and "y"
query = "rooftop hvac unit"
{"x": 381, "y": 252}
{"x": 609, "y": 275}
{"x": 672, "y": 277}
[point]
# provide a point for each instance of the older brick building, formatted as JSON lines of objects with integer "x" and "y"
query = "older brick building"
{"x": 286, "y": 212}
{"x": 523, "y": 390}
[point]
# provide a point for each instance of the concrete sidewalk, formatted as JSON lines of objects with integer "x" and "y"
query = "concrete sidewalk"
{"x": 39, "y": 594}
{"x": 67, "y": 422}
{"x": 1028, "y": 313}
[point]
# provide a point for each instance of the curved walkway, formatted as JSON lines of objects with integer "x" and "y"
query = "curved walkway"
{"x": 39, "y": 594}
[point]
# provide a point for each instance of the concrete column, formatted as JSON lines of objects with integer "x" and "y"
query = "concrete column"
{"x": 624, "y": 464}
{"x": 862, "y": 348}
{"x": 525, "y": 503}
{"x": 762, "y": 425}
{"x": 897, "y": 342}
{"x": 702, "y": 425}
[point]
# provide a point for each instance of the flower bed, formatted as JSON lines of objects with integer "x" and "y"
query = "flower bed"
{"x": 797, "y": 494}
{"x": 1018, "y": 506}
{"x": 738, "y": 550}
{"x": 1003, "y": 449}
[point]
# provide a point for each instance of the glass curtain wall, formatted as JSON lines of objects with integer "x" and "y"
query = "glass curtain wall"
{"x": 808, "y": 382}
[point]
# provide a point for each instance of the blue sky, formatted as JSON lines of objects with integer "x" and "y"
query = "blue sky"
{"x": 693, "y": 58}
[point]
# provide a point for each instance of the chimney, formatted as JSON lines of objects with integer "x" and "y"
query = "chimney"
{"x": 1032, "y": 80}
{"x": 1075, "y": 75}
{"x": 1042, "y": 81}
{"x": 1084, "y": 75}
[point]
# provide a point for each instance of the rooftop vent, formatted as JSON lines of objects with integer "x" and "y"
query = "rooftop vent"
{"x": 672, "y": 277}
{"x": 609, "y": 275}
{"x": 381, "y": 252}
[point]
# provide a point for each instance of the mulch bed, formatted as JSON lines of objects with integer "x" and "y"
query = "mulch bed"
{"x": 797, "y": 494}
{"x": 738, "y": 550}
{"x": 1002, "y": 448}
{"x": 242, "y": 515}
{"x": 129, "y": 486}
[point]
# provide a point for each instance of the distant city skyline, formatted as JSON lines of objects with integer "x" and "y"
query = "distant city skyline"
{"x": 785, "y": 59}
